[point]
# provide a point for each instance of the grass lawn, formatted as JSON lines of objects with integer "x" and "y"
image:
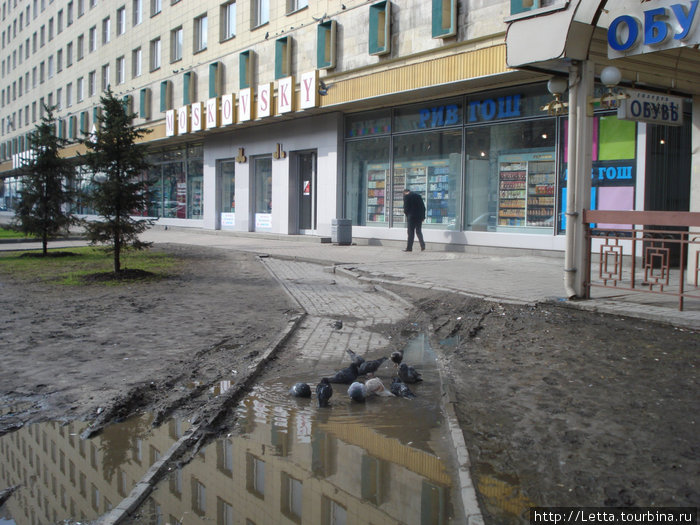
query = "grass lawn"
{"x": 75, "y": 265}
{"x": 6, "y": 233}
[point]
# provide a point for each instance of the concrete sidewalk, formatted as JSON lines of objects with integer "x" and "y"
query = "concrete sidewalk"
{"x": 507, "y": 275}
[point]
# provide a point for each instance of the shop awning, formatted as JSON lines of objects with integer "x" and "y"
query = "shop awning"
{"x": 548, "y": 40}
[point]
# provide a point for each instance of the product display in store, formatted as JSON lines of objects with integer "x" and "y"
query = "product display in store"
{"x": 526, "y": 190}
{"x": 376, "y": 188}
{"x": 431, "y": 180}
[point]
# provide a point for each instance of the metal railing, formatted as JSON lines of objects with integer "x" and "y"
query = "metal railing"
{"x": 644, "y": 251}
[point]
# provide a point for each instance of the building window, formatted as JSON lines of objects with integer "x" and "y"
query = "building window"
{"x": 92, "y": 83}
{"x": 519, "y": 6}
{"x": 176, "y": 44}
{"x": 81, "y": 8}
{"x": 261, "y": 12}
{"x": 69, "y": 14}
{"x": 199, "y": 497}
{"x": 121, "y": 20}
{"x": 51, "y": 69}
{"x": 105, "y": 77}
{"x": 69, "y": 95}
{"x": 326, "y": 44}
{"x": 291, "y": 497}
{"x": 93, "y": 3}
{"x": 137, "y": 8}
{"x": 295, "y": 5}
{"x": 59, "y": 60}
{"x": 283, "y": 57}
{"x": 136, "y": 62}
{"x": 92, "y": 39}
{"x": 380, "y": 28}
{"x": 81, "y": 47}
{"x": 106, "y": 30}
{"x": 80, "y": 89}
{"x": 255, "y": 476}
{"x": 69, "y": 54}
{"x": 200, "y": 33}
{"x": 228, "y": 20}
{"x": 155, "y": 54}
{"x": 444, "y": 18}
{"x": 224, "y": 512}
{"x": 156, "y": 7}
{"x": 59, "y": 21}
{"x": 50, "y": 29}
{"x": 121, "y": 70}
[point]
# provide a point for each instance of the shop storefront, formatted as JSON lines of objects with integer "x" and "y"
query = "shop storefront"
{"x": 176, "y": 183}
{"x": 484, "y": 162}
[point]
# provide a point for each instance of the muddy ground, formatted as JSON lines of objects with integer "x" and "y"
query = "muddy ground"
{"x": 558, "y": 406}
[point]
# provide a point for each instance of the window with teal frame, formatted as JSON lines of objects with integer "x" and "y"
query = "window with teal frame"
{"x": 522, "y": 6}
{"x": 380, "y": 28}
{"x": 84, "y": 122}
{"x": 283, "y": 57}
{"x": 215, "y": 79}
{"x": 166, "y": 95}
{"x": 325, "y": 44}
{"x": 145, "y": 103}
{"x": 128, "y": 103}
{"x": 189, "y": 82}
{"x": 444, "y": 18}
{"x": 245, "y": 69}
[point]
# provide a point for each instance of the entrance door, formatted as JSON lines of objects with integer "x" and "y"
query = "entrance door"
{"x": 307, "y": 191}
{"x": 262, "y": 194}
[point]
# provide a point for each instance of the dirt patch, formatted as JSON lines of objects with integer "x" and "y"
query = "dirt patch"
{"x": 562, "y": 407}
{"x": 559, "y": 407}
{"x": 103, "y": 353}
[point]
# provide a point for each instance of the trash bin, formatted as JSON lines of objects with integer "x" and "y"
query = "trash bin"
{"x": 341, "y": 231}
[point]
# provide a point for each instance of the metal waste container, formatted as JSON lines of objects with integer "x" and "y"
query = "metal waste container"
{"x": 341, "y": 231}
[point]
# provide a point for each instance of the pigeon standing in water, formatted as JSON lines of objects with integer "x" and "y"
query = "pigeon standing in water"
{"x": 370, "y": 367}
{"x": 324, "y": 391}
{"x": 396, "y": 357}
{"x": 376, "y": 387}
{"x": 300, "y": 390}
{"x": 399, "y": 388}
{"x": 357, "y": 392}
{"x": 408, "y": 374}
{"x": 346, "y": 375}
{"x": 358, "y": 360}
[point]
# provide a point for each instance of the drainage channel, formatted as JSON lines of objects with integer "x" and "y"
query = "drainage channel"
{"x": 284, "y": 460}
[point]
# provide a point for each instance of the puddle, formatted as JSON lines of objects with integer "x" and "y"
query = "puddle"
{"x": 285, "y": 460}
{"x": 63, "y": 477}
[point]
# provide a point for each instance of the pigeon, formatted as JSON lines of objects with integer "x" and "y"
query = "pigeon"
{"x": 376, "y": 387}
{"x": 397, "y": 357}
{"x": 337, "y": 324}
{"x": 408, "y": 374}
{"x": 300, "y": 390}
{"x": 358, "y": 360}
{"x": 324, "y": 391}
{"x": 369, "y": 367}
{"x": 399, "y": 388}
{"x": 346, "y": 375}
{"x": 357, "y": 392}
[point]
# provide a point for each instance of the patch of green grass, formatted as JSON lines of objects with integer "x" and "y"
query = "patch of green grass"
{"x": 7, "y": 233}
{"x": 74, "y": 269}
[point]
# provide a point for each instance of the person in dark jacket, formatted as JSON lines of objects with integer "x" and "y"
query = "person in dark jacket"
{"x": 414, "y": 209}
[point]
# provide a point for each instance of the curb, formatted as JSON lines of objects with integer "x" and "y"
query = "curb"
{"x": 194, "y": 435}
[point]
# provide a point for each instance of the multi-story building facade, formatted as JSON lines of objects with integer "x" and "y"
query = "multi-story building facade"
{"x": 280, "y": 116}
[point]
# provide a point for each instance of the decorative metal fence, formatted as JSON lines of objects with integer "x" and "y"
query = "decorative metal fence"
{"x": 644, "y": 251}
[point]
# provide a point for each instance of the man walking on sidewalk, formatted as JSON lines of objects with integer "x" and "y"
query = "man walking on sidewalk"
{"x": 414, "y": 209}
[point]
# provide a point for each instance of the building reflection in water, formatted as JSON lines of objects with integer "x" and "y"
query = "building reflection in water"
{"x": 286, "y": 462}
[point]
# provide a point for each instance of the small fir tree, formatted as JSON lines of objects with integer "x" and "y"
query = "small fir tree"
{"x": 46, "y": 197}
{"x": 117, "y": 163}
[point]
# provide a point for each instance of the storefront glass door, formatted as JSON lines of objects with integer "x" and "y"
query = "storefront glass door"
{"x": 262, "y": 194}
{"x": 307, "y": 192}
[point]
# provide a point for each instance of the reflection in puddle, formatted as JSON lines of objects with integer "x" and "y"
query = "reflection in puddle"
{"x": 285, "y": 461}
{"x": 502, "y": 495}
{"x": 64, "y": 477}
